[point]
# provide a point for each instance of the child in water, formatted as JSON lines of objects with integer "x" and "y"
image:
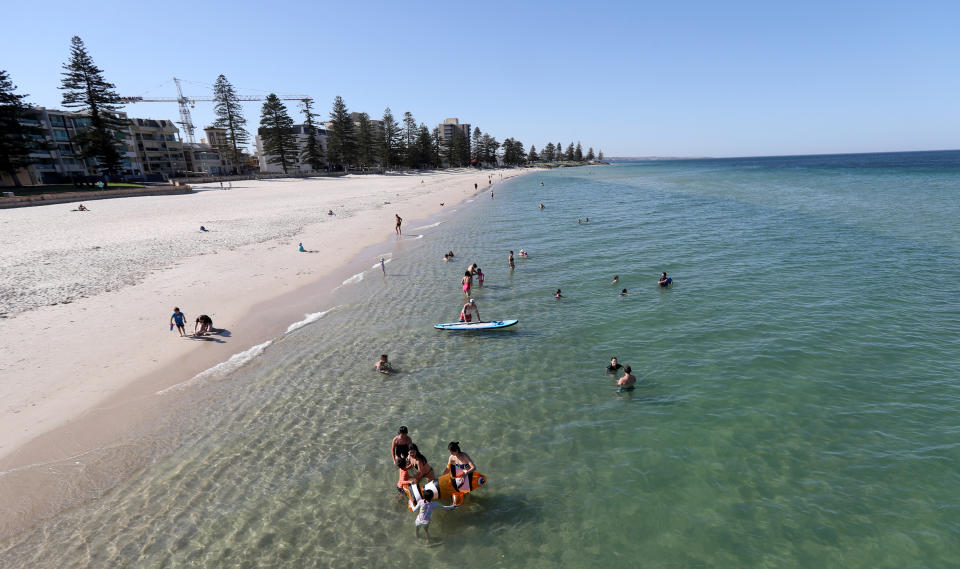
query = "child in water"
{"x": 479, "y": 276}
{"x": 558, "y": 295}
{"x": 426, "y": 505}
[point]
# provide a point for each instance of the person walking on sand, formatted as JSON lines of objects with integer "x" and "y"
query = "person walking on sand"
{"x": 178, "y": 318}
{"x": 399, "y": 220}
{"x": 426, "y": 505}
{"x": 510, "y": 261}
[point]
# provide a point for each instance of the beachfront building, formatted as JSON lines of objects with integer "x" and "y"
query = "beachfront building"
{"x": 449, "y": 128}
{"x": 158, "y": 146}
{"x": 62, "y": 163}
{"x": 300, "y": 131}
{"x": 203, "y": 159}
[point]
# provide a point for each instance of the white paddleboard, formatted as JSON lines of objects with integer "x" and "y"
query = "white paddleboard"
{"x": 492, "y": 325}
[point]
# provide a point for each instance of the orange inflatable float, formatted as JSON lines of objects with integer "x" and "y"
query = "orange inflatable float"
{"x": 447, "y": 487}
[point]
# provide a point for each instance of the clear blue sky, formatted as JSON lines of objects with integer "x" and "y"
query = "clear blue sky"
{"x": 631, "y": 78}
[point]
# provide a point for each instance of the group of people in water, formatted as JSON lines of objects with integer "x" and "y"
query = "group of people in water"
{"x": 413, "y": 468}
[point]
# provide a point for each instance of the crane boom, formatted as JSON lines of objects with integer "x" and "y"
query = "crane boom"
{"x": 186, "y": 102}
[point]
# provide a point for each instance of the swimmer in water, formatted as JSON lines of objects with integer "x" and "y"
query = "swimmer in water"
{"x": 616, "y": 279}
{"x": 614, "y": 366}
{"x": 628, "y": 381}
{"x": 383, "y": 366}
{"x": 558, "y": 295}
{"x": 624, "y": 292}
{"x": 542, "y": 206}
{"x": 664, "y": 280}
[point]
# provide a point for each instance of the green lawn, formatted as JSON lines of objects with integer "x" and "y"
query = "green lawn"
{"x": 65, "y": 188}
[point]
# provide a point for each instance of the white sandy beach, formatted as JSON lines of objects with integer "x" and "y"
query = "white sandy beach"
{"x": 86, "y": 297}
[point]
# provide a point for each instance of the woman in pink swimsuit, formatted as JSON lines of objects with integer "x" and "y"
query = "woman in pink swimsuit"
{"x": 465, "y": 283}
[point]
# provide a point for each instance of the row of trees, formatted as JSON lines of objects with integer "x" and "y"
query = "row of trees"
{"x": 359, "y": 143}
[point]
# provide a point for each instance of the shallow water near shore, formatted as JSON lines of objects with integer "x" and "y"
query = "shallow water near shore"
{"x": 796, "y": 404}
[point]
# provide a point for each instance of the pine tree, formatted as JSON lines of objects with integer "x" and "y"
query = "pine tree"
{"x": 578, "y": 153}
{"x": 600, "y": 155}
{"x": 230, "y": 118}
{"x": 533, "y": 156}
{"x": 569, "y": 155}
{"x": 548, "y": 153}
{"x": 313, "y": 150}
{"x": 410, "y": 139}
{"x": 366, "y": 152}
{"x": 277, "y": 133}
{"x": 388, "y": 140}
{"x": 17, "y": 140}
{"x": 86, "y": 89}
{"x": 559, "y": 150}
{"x": 589, "y": 157}
{"x": 341, "y": 141}
{"x": 424, "y": 146}
{"x": 476, "y": 149}
{"x": 437, "y": 145}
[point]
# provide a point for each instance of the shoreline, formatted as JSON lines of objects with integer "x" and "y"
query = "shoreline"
{"x": 80, "y": 406}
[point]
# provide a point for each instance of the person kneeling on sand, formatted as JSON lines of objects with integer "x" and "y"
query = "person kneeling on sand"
{"x": 202, "y": 325}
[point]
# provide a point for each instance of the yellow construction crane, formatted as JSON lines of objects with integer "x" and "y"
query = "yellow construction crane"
{"x": 186, "y": 103}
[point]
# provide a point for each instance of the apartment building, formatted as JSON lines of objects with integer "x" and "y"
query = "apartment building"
{"x": 450, "y": 126}
{"x": 62, "y": 163}
{"x": 202, "y": 158}
{"x": 158, "y": 147}
{"x": 301, "y": 133}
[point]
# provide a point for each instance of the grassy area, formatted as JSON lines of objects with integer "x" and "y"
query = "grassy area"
{"x": 65, "y": 188}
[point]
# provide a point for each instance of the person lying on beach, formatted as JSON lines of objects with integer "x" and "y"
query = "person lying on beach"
{"x": 401, "y": 444}
{"x": 178, "y": 318}
{"x": 329, "y": 212}
{"x": 558, "y": 295}
{"x": 418, "y": 461}
{"x": 426, "y": 505}
{"x": 205, "y": 325}
{"x": 614, "y": 366}
{"x": 204, "y": 229}
{"x": 383, "y": 366}
{"x": 664, "y": 280}
{"x": 470, "y": 310}
{"x": 616, "y": 279}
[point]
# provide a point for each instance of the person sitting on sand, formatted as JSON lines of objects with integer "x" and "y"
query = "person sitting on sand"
{"x": 614, "y": 366}
{"x": 627, "y": 381}
{"x": 82, "y": 208}
{"x": 382, "y": 365}
{"x": 204, "y": 229}
{"x": 401, "y": 444}
{"x": 300, "y": 247}
{"x": 558, "y": 295}
{"x": 664, "y": 280}
{"x": 202, "y": 325}
{"x": 469, "y": 311}
{"x": 616, "y": 279}
{"x": 329, "y": 212}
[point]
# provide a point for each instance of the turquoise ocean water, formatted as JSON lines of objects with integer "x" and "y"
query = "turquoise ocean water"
{"x": 797, "y": 402}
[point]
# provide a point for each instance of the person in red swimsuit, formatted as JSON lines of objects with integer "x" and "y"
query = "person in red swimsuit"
{"x": 470, "y": 310}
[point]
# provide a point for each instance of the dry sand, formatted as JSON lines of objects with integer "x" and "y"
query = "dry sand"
{"x": 86, "y": 298}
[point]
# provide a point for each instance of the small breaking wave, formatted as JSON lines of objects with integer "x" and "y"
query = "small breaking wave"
{"x": 221, "y": 369}
{"x": 354, "y": 279}
{"x": 431, "y": 226}
{"x": 308, "y": 318}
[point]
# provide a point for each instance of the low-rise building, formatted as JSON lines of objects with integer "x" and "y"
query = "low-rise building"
{"x": 158, "y": 147}
{"x": 202, "y": 158}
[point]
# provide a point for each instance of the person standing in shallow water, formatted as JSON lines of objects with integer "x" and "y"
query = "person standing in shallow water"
{"x": 400, "y": 445}
{"x": 399, "y": 220}
{"x": 510, "y": 261}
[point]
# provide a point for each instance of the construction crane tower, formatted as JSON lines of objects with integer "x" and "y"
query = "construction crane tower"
{"x": 186, "y": 103}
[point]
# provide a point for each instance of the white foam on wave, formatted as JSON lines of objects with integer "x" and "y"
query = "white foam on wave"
{"x": 419, "y": 236}
{"x": 221, "y": 369}
{"x": 377, "y": 266}
{"x": 431, "y": 226}
{"x": 354, "y": 279}
{"x": 468, "y": 201}
{"x": 308, "y": 318}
